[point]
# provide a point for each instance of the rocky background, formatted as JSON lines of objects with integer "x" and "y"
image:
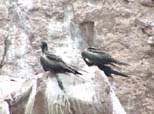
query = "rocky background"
{"x": 120, "y": 27}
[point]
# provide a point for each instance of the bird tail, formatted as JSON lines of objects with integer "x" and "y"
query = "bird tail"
{"x": 120, "y": 73}
{"x": 72, "y": 70}
{"x": 75, "y": 71}
{"x": 109, "y": 71}
{"x": 120, "y": 63}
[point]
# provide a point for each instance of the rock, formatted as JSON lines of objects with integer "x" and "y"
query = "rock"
{"x": 146, "y": 26}
{"x": 148, "y": 3}
{"x": 69, "y": 26}
{"x": 151, "y": 41}
{"x": 4, "y": 107}
{"x": 3, "y": 12}
{"x": 85, "y": 94}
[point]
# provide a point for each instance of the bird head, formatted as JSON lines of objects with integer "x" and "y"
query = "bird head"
{"x": 85, "y": 52}
{"x": 44, "y": 46}
{"x": 85, "y": 55}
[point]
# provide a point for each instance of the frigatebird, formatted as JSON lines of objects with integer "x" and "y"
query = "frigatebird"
{"x": 93, "y": 56}
{"x": 54, "y": 63}
{"x": 101, "y": 59}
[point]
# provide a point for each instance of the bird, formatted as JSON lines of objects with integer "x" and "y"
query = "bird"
{"x": 93, "y": 56}
{"x": 54, "y": 63}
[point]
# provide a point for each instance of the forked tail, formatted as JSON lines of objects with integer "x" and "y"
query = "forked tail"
{"x": 72, "y": 70}
{"x": 76, "y": 72}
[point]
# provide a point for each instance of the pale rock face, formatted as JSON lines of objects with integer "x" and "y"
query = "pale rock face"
{"x": 28, "y": 23}
{"x": 70, "y": 26}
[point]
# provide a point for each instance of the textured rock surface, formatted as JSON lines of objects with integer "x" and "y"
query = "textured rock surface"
{"x": 69, "y": 26}
{"x": 42, "y": 95}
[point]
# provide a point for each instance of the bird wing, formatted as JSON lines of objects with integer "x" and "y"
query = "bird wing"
{"x": 64, "y": 65}
{"x": 53, "y": 57}
{"x": 94, "y": 50}
{"x": 106, "y": 57}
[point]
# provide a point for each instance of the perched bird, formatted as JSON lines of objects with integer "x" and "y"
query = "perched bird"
{"x": 51, "y": 62}
{"x": 93, "y": 56}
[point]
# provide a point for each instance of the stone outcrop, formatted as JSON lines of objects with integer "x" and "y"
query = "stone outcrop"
{"x": 42, "y": 95}
{"x": 69, "y": 26}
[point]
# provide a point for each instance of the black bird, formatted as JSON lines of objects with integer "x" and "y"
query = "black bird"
{"x": 93, "y": 56}
{"x": 51, "y": 62}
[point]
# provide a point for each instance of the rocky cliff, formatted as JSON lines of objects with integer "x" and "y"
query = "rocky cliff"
{"x": 118, "y": 26}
